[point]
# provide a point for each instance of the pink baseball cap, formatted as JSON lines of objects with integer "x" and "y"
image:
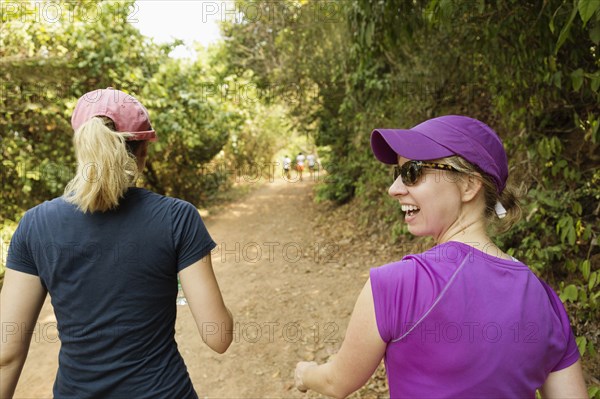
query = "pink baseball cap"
{"x": 127, "y": 113}
{"x": 443, "y": 137}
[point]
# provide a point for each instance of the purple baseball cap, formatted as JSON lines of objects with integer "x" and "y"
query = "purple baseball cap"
{"x": 128, "y": 114}
{"x": 443, "y": 137}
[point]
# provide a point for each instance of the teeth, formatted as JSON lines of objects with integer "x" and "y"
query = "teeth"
{"x": 408, "y": 208}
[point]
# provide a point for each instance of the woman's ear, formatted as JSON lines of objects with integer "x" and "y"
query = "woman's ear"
{"x": 471, "y": 185}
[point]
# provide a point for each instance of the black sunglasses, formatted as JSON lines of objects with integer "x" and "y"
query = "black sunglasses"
{"x": 411, "y": 171}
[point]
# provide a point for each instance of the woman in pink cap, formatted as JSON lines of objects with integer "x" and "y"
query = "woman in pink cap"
{"x": 463, "y": 319}
{"x": 109, "y": 254}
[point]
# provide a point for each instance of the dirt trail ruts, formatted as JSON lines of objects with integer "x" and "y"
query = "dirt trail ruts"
{"x": 290, "y": 286}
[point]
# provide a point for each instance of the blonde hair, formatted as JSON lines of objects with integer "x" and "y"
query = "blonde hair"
{"x": 509, "y": 198}
{"x": 105, "y": 167}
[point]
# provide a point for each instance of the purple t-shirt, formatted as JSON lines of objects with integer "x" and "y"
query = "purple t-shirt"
{"x": 461, "y": 323}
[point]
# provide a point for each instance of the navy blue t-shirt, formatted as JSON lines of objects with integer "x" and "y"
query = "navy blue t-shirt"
{"x": 112, "y": 279}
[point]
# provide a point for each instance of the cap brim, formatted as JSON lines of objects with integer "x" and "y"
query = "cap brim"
{"x": 138, "y": 136}
{"x": 387, "y": 144}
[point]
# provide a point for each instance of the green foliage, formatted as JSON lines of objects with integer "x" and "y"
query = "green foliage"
{"x": 205, "y": 130}
{"x": 47, "y": 64}
{"x": 193, "y": 127}
{"x": 594, "y": 392}
{"x": 6, "y": 231}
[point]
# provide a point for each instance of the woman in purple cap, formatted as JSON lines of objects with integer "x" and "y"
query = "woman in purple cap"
{"x": 109, "y": 254}
{"x": 463, "y": 319}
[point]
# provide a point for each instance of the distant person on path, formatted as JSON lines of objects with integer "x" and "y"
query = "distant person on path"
{"x": 310, "y": 160}
{"x": 287, "y": 165}
{"x": 109, "y": 254}
{"x": 463, "y": 319}
{"x": 300, "y": 164}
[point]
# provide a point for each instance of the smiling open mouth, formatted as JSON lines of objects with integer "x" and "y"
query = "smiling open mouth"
{"x": 410, "y": 210}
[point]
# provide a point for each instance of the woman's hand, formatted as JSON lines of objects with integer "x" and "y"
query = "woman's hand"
{"x": 300, "y": 369}
{"x": 360, "y": 354}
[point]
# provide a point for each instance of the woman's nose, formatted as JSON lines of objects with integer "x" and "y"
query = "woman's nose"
{"x": 397, "y": 188}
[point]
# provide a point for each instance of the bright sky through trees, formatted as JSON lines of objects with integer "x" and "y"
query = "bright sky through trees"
{"x": 191, "y": 21}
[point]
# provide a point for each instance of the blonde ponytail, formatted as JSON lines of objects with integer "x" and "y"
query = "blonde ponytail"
{"x": 510, "y": 197}
{"x": 105, "y": 169}
{"x": 511, "y": 200}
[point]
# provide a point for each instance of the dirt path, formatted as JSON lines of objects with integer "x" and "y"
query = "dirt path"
{"x": 289, "y": 278}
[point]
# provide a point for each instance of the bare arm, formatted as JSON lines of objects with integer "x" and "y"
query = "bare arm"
{"x": 21, "y": 300}
{"x": 213, "y": 319}
{"x": 359, "y": 356}
{"x": 565, "y": 383}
